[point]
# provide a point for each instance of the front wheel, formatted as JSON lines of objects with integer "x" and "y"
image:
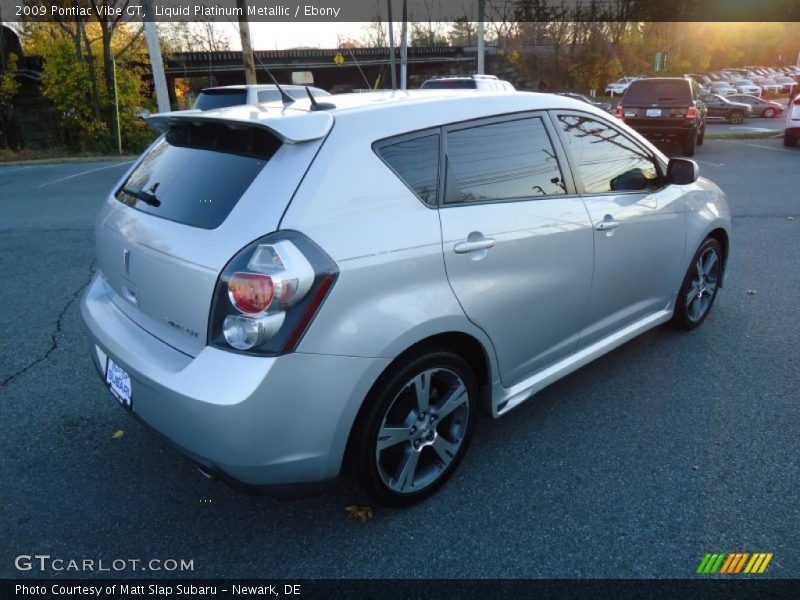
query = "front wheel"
{"x": 414, "y": 428}
{"x": 700, "y": 286}
{"x": 736, "y": 117}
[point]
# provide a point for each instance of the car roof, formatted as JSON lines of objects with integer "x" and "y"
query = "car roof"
{"x": 297, "y": 122}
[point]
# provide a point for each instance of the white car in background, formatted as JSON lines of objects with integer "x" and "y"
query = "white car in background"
{"x": 792, "y": 132}
{"x": 723, "y": 88}
{"x": 770, "y": 86}
{"x": 620, "y": 86}
{"x": 745, "y": 86}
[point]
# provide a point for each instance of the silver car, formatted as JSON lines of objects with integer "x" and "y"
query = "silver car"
{"x": 290, "y": 293}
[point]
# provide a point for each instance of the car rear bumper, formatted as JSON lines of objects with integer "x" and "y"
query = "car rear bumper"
{"x": 273, "y": 424}
{"x": 671, "y": 130}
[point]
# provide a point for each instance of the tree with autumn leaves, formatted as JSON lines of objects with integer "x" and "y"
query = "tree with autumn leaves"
{"x": 88, "y": 68}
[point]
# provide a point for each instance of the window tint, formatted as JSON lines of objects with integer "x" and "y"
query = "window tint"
{"x": 655, "y": 91}
{"x": 501, "y": 161}
{"x": 196, "y": 174}
{"x": 449, "y": 84}
{"x": 209, "y": 100}
{"x": 605, "y": 159}
{"x": 416, "y": 162}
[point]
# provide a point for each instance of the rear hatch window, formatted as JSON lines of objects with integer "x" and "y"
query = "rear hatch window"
{"x": 195, "y": 174}
{"x": 650, "y": 92}
{"x": 211, "y": 99}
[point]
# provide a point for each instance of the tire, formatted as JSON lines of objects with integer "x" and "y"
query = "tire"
{"x": 789, "y": 139}
{"x": 690, "y": 145}
{"x": 736, "y": 117}
{"x": 425, "y": 446}
{"x": 768, "y": 113}
{"x": 700, "y": 286}
{"x": 701, "y": 138}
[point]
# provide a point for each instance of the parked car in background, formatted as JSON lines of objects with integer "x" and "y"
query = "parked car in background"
{"x": 619, "y": 86}
{"x": 233, "y": 95}
{"x": 723, "y": 88}
{"x": 745, "y": 86}
{"x": 601, "y": 105}
{"x": 759, "y": 106}
{"x": 280, "y": 314}
{"x": 722, "y": 108}
{"x": 665, "y": 109}
{"x": 788, "y": 84}
{"x": 792, "y": 131}
{"x": 770, "y": 86}
{"x": 469, "y": 82}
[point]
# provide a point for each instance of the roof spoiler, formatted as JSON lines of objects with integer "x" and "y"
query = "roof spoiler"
{"x": 292, "y": 128}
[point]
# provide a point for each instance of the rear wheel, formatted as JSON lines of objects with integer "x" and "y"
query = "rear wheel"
{"x": 414, "y": 428}
{"x": 736, "y": 117}
{"x": 789, "y": 139}
{"x": 768, "y": 113}
{"x": 700, "y": 286}
{"x": 690, "y": 145}
{"x": 701, "y": 138}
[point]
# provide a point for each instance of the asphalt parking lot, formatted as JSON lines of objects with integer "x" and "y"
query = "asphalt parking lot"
{"x": 672, "y": 446}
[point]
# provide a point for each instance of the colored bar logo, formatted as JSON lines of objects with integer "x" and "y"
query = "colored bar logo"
{"x": 734, "y": 563}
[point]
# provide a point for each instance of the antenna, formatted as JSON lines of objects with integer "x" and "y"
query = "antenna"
{"x": 318, "y": 105}
{"x": 285, "y": 98}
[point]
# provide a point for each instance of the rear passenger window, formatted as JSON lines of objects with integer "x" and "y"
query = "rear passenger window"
{"x": 501, "y": 161}
{"x": 416, "y": 162}
{"x": 605, "y": 159}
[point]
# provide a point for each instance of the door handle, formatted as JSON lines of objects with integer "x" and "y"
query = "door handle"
{"x": 607, "y": 224}
{"x": 473, "y": 245}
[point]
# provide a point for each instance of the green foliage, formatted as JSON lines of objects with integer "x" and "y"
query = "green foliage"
{"x": 8, "y": 82}
{"x": 76, "y": 86}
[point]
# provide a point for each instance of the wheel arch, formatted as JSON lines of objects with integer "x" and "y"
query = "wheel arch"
{"x": 722, "y": 238}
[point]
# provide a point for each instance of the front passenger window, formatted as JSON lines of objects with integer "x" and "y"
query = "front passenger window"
{"x": 605, "y": 159}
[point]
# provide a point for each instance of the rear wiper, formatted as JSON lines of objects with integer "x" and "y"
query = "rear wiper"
{"x": 144, "y": 196}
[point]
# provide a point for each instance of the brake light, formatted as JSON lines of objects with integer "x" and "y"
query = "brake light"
{"x": 269, "y": 293}
{"x": 691, "y": 113}
{"x": 251, "y": 293}
{"x": 796, "y": 101}
{"x": 620, "y": 112}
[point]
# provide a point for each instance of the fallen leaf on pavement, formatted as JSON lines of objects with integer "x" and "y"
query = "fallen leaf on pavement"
{"x": 117, "y": 434}
{"x": 359, "y": 512}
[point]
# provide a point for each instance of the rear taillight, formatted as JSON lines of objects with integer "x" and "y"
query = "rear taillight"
{"x": 620, "y": 113}
{"x": 691, "y": 113}
{"x": 269, "y": 293}
{"x": 796, "y": 101}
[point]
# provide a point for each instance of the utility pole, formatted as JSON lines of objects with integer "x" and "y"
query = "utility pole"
{"x": 392, "y": 60}
{"x": 247, "y": 48}
{"x": 481, "y": 48}
{"x": 404, "y": 49}
{"x": 156, "y": 64}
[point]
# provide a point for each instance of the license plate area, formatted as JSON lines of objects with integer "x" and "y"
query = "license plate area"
{"x": 119, "y": 382}
{"x": 653, "y": 112}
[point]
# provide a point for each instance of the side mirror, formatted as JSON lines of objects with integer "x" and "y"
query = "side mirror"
{"x": 682, "y": 171}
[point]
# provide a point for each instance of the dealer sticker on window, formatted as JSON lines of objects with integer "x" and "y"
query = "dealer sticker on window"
{"x": 119, "y": 382}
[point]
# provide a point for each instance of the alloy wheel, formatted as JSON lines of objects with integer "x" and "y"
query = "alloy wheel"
{"x": 422, "y": 430}
{"x": 703, "y": 287}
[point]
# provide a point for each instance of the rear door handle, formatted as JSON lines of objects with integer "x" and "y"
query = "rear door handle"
{"x": 472, "y": 246}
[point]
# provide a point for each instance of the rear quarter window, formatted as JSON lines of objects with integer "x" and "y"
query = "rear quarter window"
{"x": 195, "y": 174}
{"x": 415, "y": 160}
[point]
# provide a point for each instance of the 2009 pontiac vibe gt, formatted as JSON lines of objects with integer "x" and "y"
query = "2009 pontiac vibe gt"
{"x": 286, "y": 292}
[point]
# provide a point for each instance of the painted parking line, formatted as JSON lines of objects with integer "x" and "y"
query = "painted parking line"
{"x": 710, "y": 164}
{"x": 740, "y": 143}
{"x": 86, "y": 173}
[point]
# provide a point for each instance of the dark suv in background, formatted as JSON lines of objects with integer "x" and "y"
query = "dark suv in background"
{"x": 665, "y": 109}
